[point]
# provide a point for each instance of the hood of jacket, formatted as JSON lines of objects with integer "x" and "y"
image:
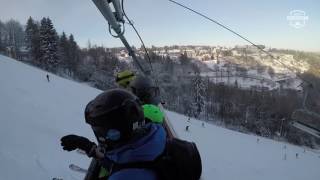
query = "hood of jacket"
{"x": 145, "y": 148}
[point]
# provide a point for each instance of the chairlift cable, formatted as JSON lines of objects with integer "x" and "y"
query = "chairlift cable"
{"x": 242, "y": 37}
{"x": 167, "y": 124}
{"x": 136, "y": 31}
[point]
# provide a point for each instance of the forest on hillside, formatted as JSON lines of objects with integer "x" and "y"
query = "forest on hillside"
{"x": 265, "y": 113}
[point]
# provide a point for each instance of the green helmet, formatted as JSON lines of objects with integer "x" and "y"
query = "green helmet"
{"x": 153, "y": 113}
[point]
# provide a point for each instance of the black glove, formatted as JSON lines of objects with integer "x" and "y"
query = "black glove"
{"x": 72, "y": 142}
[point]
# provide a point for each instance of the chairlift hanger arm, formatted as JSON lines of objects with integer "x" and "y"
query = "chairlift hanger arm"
{"x": 115, "y": 19}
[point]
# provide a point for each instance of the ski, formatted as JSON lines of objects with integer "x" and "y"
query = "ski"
{"x": 79, "y": 151}
{"x": 76, "y": 168}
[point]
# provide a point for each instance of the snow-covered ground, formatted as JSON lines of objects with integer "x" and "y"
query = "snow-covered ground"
{"x": 35, "y": 114}
{"x": 287, "y": 60}
{"x": 232, "y": 155}
{"x": 254, "y": 79}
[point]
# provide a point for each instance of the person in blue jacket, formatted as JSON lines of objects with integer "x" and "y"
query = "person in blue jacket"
{"x": 117, "y": 119}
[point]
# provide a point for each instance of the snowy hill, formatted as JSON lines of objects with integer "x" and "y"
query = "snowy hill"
{"x": 225, "y": 72}
{"x": 230, "y": 155}
{"x": 36, "y": 113}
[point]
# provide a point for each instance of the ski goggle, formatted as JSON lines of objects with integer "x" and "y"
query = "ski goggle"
{"x": 145, "y": 94}
{"x": 105, "y": 135}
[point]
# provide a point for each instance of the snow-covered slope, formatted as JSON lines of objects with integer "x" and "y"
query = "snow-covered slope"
{"x": 230, "y": 155}
{"x": 34, "y": 114}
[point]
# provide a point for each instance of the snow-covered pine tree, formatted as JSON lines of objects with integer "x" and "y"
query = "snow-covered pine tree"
{"x": 207, "y": 97}
{"x": 64, "y": 53}
{"x": 29, "y": 34}
{"x": 48, "y": 45}
{"x": 2, "y": 48}
{"x": 73, "y": 53}
{"x": 15, "y": 37}
{"x": 32, "y": 40}
{"x": 198, "y": 94}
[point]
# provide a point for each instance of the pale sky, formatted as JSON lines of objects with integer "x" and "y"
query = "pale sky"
{"x": 163, "y": 23}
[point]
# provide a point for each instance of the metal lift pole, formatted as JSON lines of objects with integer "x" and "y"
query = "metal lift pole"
{"x": 114, "y": 19}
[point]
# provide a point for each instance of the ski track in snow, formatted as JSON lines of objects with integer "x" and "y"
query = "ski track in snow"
{"x": 41, "y": 165}
{"x": 35, "y": 114}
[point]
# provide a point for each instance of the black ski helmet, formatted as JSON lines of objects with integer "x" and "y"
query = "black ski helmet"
{"x": 144, "y": 88}
{"x": 115, "y": 112}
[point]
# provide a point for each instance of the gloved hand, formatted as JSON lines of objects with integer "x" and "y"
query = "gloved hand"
{"x": 72, "y": 142}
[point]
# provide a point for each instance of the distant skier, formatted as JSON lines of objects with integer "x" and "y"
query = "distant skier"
{"x": 297, "y": 155}
{"x": 202, "y": 124}
{"x": 258, "y": 140}
{"x": 187, "y": 128}
{"x": 48, "y": 78}
{"x": 189, "y": 119}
